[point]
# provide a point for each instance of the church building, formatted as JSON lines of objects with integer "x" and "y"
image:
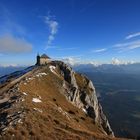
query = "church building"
{"x": 43, "y": 59}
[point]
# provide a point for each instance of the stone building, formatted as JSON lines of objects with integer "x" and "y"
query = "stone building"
{"x": 43, "y": 59}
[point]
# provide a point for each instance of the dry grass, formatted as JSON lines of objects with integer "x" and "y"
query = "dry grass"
{"x": 59, "y": 120}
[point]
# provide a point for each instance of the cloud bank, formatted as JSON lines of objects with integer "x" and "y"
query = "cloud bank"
{"x": 53, "y": 26}
{"x": 11, "y": 44}
{"x": 78, "y": 61}
{"x": 116, "y": 61}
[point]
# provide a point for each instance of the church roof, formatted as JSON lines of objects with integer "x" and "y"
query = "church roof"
{"x": 45, "y": 56}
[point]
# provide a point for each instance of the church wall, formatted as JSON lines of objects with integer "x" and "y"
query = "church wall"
{"x": 44, "y": 61}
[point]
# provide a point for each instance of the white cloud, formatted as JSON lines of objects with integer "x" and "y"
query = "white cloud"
{"x": 134, "y": 46}
{"x": 78, "y": 61}
{"x": 9, "y": 30}
{"x": 116, "y": 61}
{"x": 70, "y": 60}
{"x": 133, "y": 35}
{"x": 11, "y": 44}
{"x": 9, "y": 65}
{"x": 128, "y": 46}
{"x": 53, "y": 26}
{"x": 100, "y": 50}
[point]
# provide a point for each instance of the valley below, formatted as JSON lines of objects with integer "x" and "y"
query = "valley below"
{"x": 119, "y": 95}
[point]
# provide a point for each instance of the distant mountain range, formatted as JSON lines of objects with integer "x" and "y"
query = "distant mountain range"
{"x": 10, "y": 69}
{"x": 109, "y": 68}
{"x": 105, "y": 68}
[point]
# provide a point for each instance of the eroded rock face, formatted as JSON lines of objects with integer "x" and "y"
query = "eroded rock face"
{"x": 83, "y": 96}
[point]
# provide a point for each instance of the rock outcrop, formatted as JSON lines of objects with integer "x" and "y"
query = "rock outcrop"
{"x": 83, "y": 96}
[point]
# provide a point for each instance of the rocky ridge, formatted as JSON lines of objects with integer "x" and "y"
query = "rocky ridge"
{"x": 52, "y": 102}
{"x": 83, "y": 99}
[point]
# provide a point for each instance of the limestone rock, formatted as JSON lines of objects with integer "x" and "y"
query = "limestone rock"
{"x": 83, "y": 96}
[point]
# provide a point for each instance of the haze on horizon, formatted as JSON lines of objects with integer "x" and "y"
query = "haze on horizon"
{"x": 87, "y": 31}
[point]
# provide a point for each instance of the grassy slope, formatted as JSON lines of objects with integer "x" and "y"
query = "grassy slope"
{"x": 59, "y": 120}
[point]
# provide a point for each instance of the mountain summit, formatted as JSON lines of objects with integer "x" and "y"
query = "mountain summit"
{"x": 51, "y": 102}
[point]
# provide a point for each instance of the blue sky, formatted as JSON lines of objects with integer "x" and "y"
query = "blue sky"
{"x": 76, "y": 30}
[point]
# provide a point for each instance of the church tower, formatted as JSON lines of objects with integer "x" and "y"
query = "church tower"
{"x": 38, "y": 59}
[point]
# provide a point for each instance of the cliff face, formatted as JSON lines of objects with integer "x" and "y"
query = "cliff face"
{"x": 80, "y": 91}
{"x": 51, "y": 102}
